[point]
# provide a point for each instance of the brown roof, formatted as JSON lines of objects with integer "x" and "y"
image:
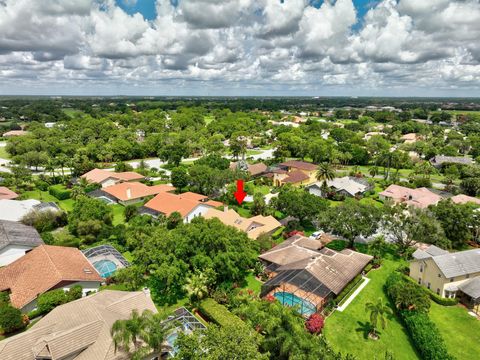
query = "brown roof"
{"x": 78, "y": 330}
{"x": 333, "y": 269}
{"x": 421, "y": 197}
{"x": 134, "y": 190}
{"x": 167, "y": 203}
{"x": 15, "y": 233}
{"x": 253, "y": 226}
{"x": 15, "y": 133}
{"x": 43, "y": 268}
{"x": 293, "y": 249}
{"x": 7, "y": 194}
{"x": 100, "y": 175}
{"x": 465, "y": 199}
{"x": 295, "y": 176}
{"x": 301, "y": 165}
{"x": 253, "y": 169}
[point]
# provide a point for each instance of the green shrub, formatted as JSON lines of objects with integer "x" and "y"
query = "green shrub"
{"x": 74, "y": 293}
{"x": 33, "y": 314}
{"x": 4, "y": 298}
{"x": 337, "y": 245}
{"x": 425, "y": 336}
{"x": 50, "y": 300}
{"x": 441, "y": 300}
{"x": 348, "y": 288}
{"x": 219, "y": 314}
{"x": 11, "y": 319}
{"x": 60, "y": 192}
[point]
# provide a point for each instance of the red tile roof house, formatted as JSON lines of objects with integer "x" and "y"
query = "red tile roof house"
{"x": 189, "y": 205}
{"x": 108, "y": 178}
{"x": 295, "y": 172}
{"x": 128, "y": 193}
{"x": 47, "y": 268}
{"x": 7, "y": 194}
{"x": 421, "y": 197}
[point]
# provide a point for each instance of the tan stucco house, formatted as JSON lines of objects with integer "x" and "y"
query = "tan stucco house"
{"x": 297, "y": 173}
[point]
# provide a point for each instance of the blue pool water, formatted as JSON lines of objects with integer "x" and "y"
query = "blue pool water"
{"x": 105, "y": 268}
{"x": 303, "y": 306}
{"x": 171, "y": 341}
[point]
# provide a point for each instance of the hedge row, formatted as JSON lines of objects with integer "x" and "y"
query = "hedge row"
{"x": 434, "y": 297}
{"x": 60, "y": 192}
{"x": 219, "y": 314}
{"x": 422, "y": 331}
{"x": 348, "y": 288}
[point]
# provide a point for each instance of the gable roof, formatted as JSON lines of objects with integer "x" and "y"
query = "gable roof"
{"x": 430, "y": 251}
{"x": 100, "y": 175}
{"x": 41, "y": 269}
{"x": 465, "y": 199}
{"x": 167, "y": 203}
{"x": 6, "y": 193}
{"x": 295, "y": 176}
{"x": 253, "y": 226}
{"x": 348, "y": 184}
{"x": 458, "y": 263}
{"x": 421, "y": 197}
{"x": 332, "y": 268}
{"x": 134, "y": 190}
{"x": 78, "y": 330}
{"x": 471, "y": 287}
{"x": 14, "y": 233}
{"x": 293, "y": 249}
{"x": 301, "y": 165}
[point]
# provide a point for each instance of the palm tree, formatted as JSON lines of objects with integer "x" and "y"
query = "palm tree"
{"x": 325, "y": 172}
{"x": 378, "y": 313}
{"x": 130, "y": 331}
{"x": 197, "y": 286}
{"x": 373, "y": 171}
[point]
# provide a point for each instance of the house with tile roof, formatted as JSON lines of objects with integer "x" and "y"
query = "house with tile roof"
{"x": 465, "y": 199}
{"x": 7, "y": 194}
{"x": 254, "y": 226}
{"x": 47, "y": 268}
{"x": 188, "y": 204}
{"x": 295, "y": 172}
{"x": 16, "y": 240}
{"x": 78, "y": 330}
{"x": 127, "y": 193}
{"x": 347, "y": 186}
{"x": 108, "y": 178}
{"x": 254, "y": 170}
{"x": 420, "y": 198}
{"x": 449, "y": 275}
{"x": 15, "y": 210}
{"x": 441, "y": 160}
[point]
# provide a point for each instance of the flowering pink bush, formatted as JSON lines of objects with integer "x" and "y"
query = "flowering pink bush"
{"x": 315, "y": 323}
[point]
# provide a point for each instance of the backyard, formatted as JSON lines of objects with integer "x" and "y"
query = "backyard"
{"x": 347, "y": 331}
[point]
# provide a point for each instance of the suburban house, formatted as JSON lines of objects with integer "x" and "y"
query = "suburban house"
{"x": 253, "y": 170}
{"x": 15, "y": 210}
{"x": 421, "y": 197}
{"x": 108, "y": 178}
{"x": 465, "y": 199}
{"x": 127, "y": 193}
{"x": 293, "y": 249}
{"x": 370, "y": 134}
{"x": 410, "y": 138}
{"x": 440, "y": 160}
{"x": 188, "y": 204}
{"x": 449, "y": 275}
{"x": 16, "y": 240}
{"x": 347, "y": 186}
{"x": 15, "y": 133}
{"x": 47, "y": 268}
{"x": 78, "y": 330}
{"x": 7, "y": 194}
{"x": 294, "y": 172}
{"x": 254, "y": 226}
{"x": 310, "y": 282}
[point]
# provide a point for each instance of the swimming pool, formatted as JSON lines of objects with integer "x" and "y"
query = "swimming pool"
{"x": 105, "y": 267}
{"x": 171, "y": 339}
{"x": 303, "y": 306}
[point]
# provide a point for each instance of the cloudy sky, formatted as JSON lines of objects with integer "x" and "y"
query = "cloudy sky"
{"x": 240, "y": 47}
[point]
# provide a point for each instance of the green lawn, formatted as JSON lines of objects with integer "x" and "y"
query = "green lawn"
{"x": 253, "y": 284}
{"x": 73, "y": 112}
{"x": 347, "y": 331}
{"x": 128, "y": 256}
{"x": 65, "y": 205}
{"x": 460, "y": 331}
{"x": 253, "y": 152}
{"x": 118, "y": 214}
{"x": 3, "y": 153}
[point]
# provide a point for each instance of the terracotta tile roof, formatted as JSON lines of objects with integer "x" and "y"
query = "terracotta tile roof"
{"x": 464, "y": 199}
{"x": 421, "y": 197}
{"x": 78, "y": 330}
{"x": 6, "y": 193}
{"x": 295, "y": 176}
{"x": 134, "y": 190}
{"x": 253, "y": 226}
{"x": 301, "y": 165}
{"x": 100, "y": 175}
{"x": 43, "y": 268}
{"x": 167, "y": 203}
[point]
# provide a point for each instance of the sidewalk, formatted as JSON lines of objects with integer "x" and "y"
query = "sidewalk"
{"x": 354, "y": 294}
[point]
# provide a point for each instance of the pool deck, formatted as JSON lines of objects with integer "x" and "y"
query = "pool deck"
{"x": 316, "y": 300}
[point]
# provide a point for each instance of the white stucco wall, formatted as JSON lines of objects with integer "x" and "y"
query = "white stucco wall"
{"x": 199, "y": 210}
{"x": 315, "y": 191}
{"x": 108, "y": 182}
{"x": 10, "y": 253}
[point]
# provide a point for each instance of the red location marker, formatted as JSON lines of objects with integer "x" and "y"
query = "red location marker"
{"x": 240, "y": 194}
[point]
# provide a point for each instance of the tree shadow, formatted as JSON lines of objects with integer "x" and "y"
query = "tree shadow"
{"x": 365, "y": 328}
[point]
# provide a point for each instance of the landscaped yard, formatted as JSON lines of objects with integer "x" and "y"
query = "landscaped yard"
{"x": 65, "y": 205}
{"x": 347, "y": 331}
{"x": 460, "y": 330}
{"x": 253, "y": 284}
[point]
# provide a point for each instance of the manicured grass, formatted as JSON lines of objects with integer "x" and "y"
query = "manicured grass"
{"x": 73, "y": 112}
{"x": 253, "y": 152}
{"x": 3, "y": 153}
{"x": 118, "y": 214}
{"x": 65, "y": 205}
{"x": 253, "y": 284}
{"x": 128, "y": 256}
{"x": 369, "y": 201}
{"x": 347, "y": 331}
{"x": 460, "y": 330}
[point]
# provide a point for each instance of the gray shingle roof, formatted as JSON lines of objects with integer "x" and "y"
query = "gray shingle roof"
{"x": 471, "y": 287}
{"x": 459, "y": 263}
{"x": 14, "y": 233}
{"x": 432, "y": 250}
